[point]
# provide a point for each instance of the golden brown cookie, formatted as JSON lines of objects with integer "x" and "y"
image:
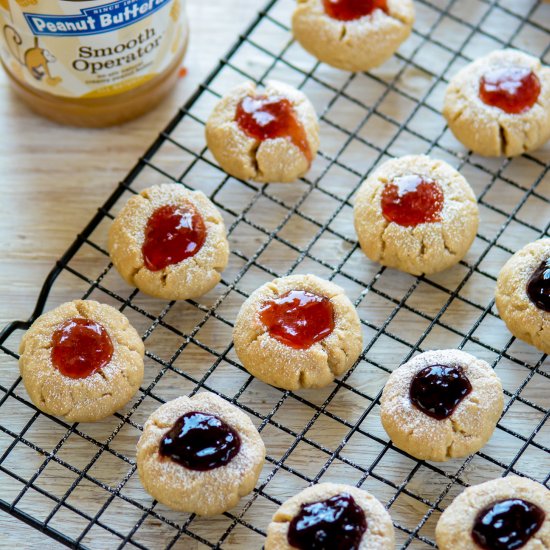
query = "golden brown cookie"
{"x": 269, "y": 135}
{"x": 169, "y": 242}
{"x": 352, "y": 36}
{"x": 416, "y": 214}
{"x": 361, "y": 520}
{"x": 523, "y": 294}
{"x": 441, "y": 404}
{"x": 199, "y": 454}
{"x": 82, "y": 361}
{"x": 298, "y": 332}
{"x": 513, "y": 509}
{"x": 500, "y": 104}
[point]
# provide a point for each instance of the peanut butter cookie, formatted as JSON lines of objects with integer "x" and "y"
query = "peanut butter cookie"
{"x": 199, "y": 454}
{"x": 82, "y": 361}
{"x": 441, "y": 405}
{"x": 332, "y": 516}
{"x": 501, "y": 514}
{"x": 266, "y": 136}
{"x": 169, "y": 242}
{"x": 416, "y": 214}
{"x": 298, "y": 332}
{"x": 523, "y": 294}
{"x": 353, "y": 36}
{"x": 500, "y": 104}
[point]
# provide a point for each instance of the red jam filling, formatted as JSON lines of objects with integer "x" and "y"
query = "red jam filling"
{"x": 298, "y": 318}
{"x": 173, "y": 233}
{"x": 81, "y": 347}
{"x": 411, "y": 200}
{"x": 348, "y": 10}
{"x": 514, "y": 90}
{"x": 262, "y": 118}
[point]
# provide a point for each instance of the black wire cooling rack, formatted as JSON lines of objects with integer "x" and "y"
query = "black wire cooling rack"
{"x": 78, "y": 483}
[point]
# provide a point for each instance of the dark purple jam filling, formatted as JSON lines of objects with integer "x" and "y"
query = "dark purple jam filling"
{"x": 337, "y": 523}
{"x": 507, "y": 524}
{"x": 200, "y": 441}
{"x": 538, "y": 286}
{"x": 437, "y": 390}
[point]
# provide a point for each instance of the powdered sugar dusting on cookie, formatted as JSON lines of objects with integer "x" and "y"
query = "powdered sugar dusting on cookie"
{"x": 190, "y": 278}
{"x": 144, "y": 204}
{"x": 486, "y": 129}
{"x": 356, "y": 45}
{"x": 522, "y": 317}
{"x": 269, "y": 160}
{"x": 454, "y": 528}
{"x": 378, "y": 536}
{"x": 287, "y": 367}
{"x": 203, "y": 492}
{"x": 465, "y": 431}
{"x": 97, "y": 395}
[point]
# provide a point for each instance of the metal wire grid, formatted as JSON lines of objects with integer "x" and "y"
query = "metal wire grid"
{"x": 358, "y": 452}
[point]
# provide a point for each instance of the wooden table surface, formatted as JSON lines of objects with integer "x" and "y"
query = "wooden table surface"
{"x": 53, "y": 178}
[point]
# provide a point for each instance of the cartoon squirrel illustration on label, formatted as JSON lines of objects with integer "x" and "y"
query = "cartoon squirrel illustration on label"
{"x": 35, "y": 59}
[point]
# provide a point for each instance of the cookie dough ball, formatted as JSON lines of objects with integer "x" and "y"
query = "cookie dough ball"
{"x": 269, "y": 135}
{"x": 199, "y": 454}
{"x": 351, "y": 35}
{"x": 500, "y": 104}
{"x": 441, "y": 404}
{"x": 298, "y": 332}
{"x": 523, "y": 294}
{"x": 510, "y": 512}
{"x": 169, "y": 242}
{"x": 81, "y": 361}
{"x": 340, "y": 515}
{"x": 416, "y": 214}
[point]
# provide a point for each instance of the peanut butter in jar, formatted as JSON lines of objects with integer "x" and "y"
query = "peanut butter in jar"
{"x": 92, "y": 62}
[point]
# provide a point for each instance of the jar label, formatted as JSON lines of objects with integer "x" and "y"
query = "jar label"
{"x": 88, "y": 48}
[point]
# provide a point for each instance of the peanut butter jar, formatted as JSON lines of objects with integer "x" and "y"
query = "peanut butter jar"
{"x": 92, "y": 62}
